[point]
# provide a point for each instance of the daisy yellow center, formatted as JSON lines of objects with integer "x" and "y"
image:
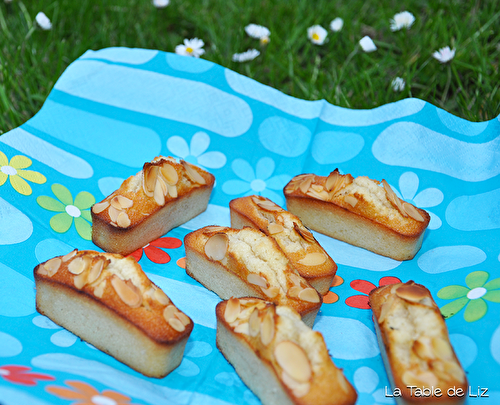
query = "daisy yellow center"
{"x": 476, "y": 293}
{"x": 258, "y": 185}
{"x": 315, "y": 36}
{"x": 8, "y": 170}
{"x": 102, "y": 400}
{"x": 189, "y": 49}
{"x": 73, "y": 211}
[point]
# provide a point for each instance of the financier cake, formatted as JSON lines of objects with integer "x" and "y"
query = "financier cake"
{"x": 108, "y": 301}
{"x": 360, "y": 211}
{"x": 297, "y": 242}
{"x": 279, "y": 358}
{"x": 415, "y": 345}
{"x": 162, "y": 196}
{"x": 247, "y": 263}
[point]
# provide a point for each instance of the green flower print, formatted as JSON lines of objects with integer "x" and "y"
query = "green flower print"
{"x": 69, "y": 210}
{"x": 473, "y": 296}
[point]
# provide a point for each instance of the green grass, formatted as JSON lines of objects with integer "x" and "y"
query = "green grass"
{"x": 31, "y": 60}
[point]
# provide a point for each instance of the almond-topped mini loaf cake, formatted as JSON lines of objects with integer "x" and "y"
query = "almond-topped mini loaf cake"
{"x": 414, "y": 343}
{"x": 247, "y": 263}
{"x": 359, "y": 211}
{"x": 279, "y": 358}
{"x": 296, "y": 241}
{"x": 108, "y": 301}
{"x": 162, "y": 196}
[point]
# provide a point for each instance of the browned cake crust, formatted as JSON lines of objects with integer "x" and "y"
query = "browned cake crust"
{"x": 108, "y": 301}
{"x": 297, "y": 242}
{"x": 415, "y": 345}
{"x": 162, "y": 196}
{"x": 279, "y": 358}
{"x": 247, "y": 263}
{"x": 358, "y": 211}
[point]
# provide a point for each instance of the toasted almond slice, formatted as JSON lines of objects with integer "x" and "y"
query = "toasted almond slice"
{"x": 332, "y": 179}
{"x": 100, "y": 207}
{"x": 161, "y": 297}
{"x": 159, "y": 194}
{"x": 294, "y": 291}
{"x": 313, "y": 259}
{"x": 99, "y": 289}
{"x": 96, "y": 270}
{"x": 242, "y": 328}
{"x": 150, "y": 174}
{"x": 323, "y": 195}
{"x": 69, "y": 255}
{"x": 412, "y": 212}
{"x": 423, "y": 348}
{"x": 213, "y": 228}
{"x": 455, "y": 371}
{"x": 255, "y": 279}
{"x": 271, "y": 292}
{"x": 127, "y": 291}
{"x": 384, "y": 310}
{"x": 169, "y": 174}
{"x": 169, "y": 312}
{"x": 351, "y": 200}
{"x": 172, "y": 191}
{"x": 299, "y": 389}
{"x": 81, "y": 280}
{"x": 113, "y": 213}
{"x": 295, "y": 279}
{"x": 79, "y": 264}
{"x": 163, "y": 185}
{"x": 181, "y": 316}
{"x": 123, "y": 221}
{"x": 116, "y": 203}
{"x": 275, "y": 228}
{"x": 176, "y": 324}
{"x": 52, "y": 266}
{"x": 306, "y": 184}
{"x": 193, "y": 174}
{"x": 254, "y": 323}
{"x": 422, "y": 379}
{"x": 267, "y": 328}
{"x": 309, "y": 294}
{"x": 317, "y": 187}
{"x": 43, "y": 271}
{"x": 304, "y": 233}
{"x": 232, "y": 310}
{"x": 216, "y": 246}
{"x": 266, "y": 204}
{"x": 393, "y": 198}
{"x": 293, "y": 360}
{"x": 125, "y": 202}
{"x": 411, "y": 292}
{"x": 442, "y": 348}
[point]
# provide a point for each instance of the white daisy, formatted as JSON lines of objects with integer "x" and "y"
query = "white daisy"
{"x": 444, "y": 54}
{"x": 367, "y": 44}
{"x": 161, "y": 3}
{"x": 317, "y": 34}
{"x": 258, "y": 32}
{"x": 191, "y": 47}
{"x": 43, "y": 21}
{"x": 251, "y": 54}
{"x": 337, "y": 24}
{"x": 401, "y": 20}
{"x": 398, "y": 84}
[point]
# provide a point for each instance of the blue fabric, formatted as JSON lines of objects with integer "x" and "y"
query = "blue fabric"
{"x": 114, "y": 109}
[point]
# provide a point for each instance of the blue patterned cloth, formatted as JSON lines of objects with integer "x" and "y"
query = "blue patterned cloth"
{"x": 114, "y": 109}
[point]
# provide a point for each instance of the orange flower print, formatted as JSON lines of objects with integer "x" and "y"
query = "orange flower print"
{"x": 85, "y": 394}
{"x": 331, "y": 297}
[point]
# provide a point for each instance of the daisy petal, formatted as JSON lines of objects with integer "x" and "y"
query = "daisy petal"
{"x": 243, "y": 170}
{"x": 83, "y": 387}
{"x": 265, "y": 168}
{"x": 234, "y": 187}
{"x": 3, "y": 159}
{"x": 363, "y": 286}
{"x": 136, "y": 255}
{"x": 178, "y": 146}
{"x": 61, "y": 222}
{"x": 430, "y": 197}
{"x": 388, "y": 280}
{"x": 212, "y": 160}
{"x": 32, "y": 176}
{"x": 156, "y": 255}
{"x": 83, "y": 228}
{"x": 435, "y": 222}
{"x": 167, "y": 243}
{"x": 50, "y": 204}
{"x": 65, "y": 393}
{"x": 20, "y": 162}
{"x": 493, "y": 296}
{"x": 277, "y": 198}
{"x": 86, "y": 215}
{"x": 62, "y": 193}
{"x": 476, "y": 279}
{"x": 278, "y": 182}
{"x": 493, "y": 284}
{"x": 475, "y": 310}
{"x": 330, "y": 297}
{"x": 452, "y": 291}
{"x": 358, "y": 301}
{"x": 408, "y": 184}
{"x": 84, "y": 200}
{"x": 20, "y": 185}
{"x": 199, "y": 143}
{"x": 454, "y": 307}
{"x": 3, "y": 178}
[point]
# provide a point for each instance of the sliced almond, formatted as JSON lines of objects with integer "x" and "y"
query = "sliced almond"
{"x": 423, "y": 348}
{"x": 125, "y": 202}
{"x": 412, "y": 212}
{"x": 123, "y": 221}
{"x": 181, "y": 316}
{"x": 95, "y": 271}
{"x": 169, "y": 312}
{"x": 294, "y": 291}
{"x": 411, "y": 292}
{"x": 52, "y": 266}
{"x": 304, "y": 232}
{"x": 116, "y": 203}
{"x": 267, "y": 328}
{"x": 393, "y": 198}
{"x": 100, "y": 207}
{"x": 422, "y": 379}
{"x": 266, "y": 204}
{"x": 271, "y": 292}
{"x": 254, "y": 323}
{"x": 306, "y": 183}
{"x": 80, "y": 280}
{"x": 384, "y": 310}
{"x": 159, "y": 194}
{"x": 172, "y": 191}
{"x": 313, "y": 259}
{"x": 232, "y": 310}
{"x": 79, "y": 265}
{"x": 113, "y": 213}
{"x": 332, "y": 179}
{"x": 351, "y": 200}
{"x": 242, "y": 328}
{"x": 255, "y": 279}
{"x": 43, "y": 271}
{"x": 309, "y": 294}
{"x": 323, "y": 195}
{"x": 293, "y": 360}
{"x": 213, "y": 228}
{"x": 216, "y": 246}
{"x": 169, "y": 174}
{"x": 127, "y": 291}
{"x": 317, "y": 187}
{"x": 69, "y": 255}
{"x": 442, "y": 348}
{"x": 161, "y": 297}
{"x": 99, "y": 289}
{"x": 298, "y": 389}
{"x": 193, "y": 174}
{"x": 455, "y": 371}
{"x": 275, "y": 228}
{"x": 295, "y": 279}
{"x": 176, "y": 324}
{"x": 150, "y": 174}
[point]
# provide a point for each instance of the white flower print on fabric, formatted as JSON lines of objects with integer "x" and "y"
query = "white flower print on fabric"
{"x": 61, "y": 338}
{"x": 366, "y": 381}
{"x": 444, "y": 54}
{"x": 260, "y": 181}
{"x": 430, "y": 197}
{"x": 401, "y": 20}
{"x": 196, "y": 152}
{"x": 192, "y": 47}
{"x": 196, "y": 349}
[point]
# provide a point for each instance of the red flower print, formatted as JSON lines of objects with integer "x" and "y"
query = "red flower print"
{"x": 157, "y": 255}
{"x": 363, "y": 286}
{"x": 331, "y": 297}
{"x": 20, "y": 375}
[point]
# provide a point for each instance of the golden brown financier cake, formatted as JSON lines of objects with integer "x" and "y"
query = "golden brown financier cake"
{"x": 162, "y": 196}
{"x": 247, "y": 263}
{"x": 108, "y": 301}
{"x": 296, "y": 241}
{"x": 415, "y": 345}
{"x": 279, "y": 358}
{"x": 358, "y": 211}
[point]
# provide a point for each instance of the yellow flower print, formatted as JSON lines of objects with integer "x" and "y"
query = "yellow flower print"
{"x": 14, "y": 170}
